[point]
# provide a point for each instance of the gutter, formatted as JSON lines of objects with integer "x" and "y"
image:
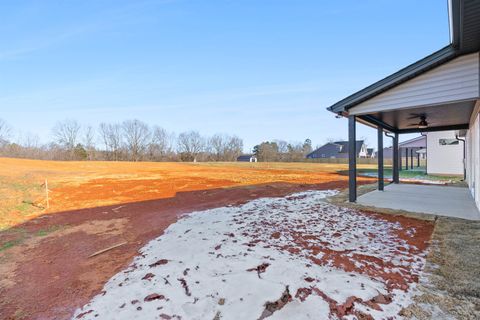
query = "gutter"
{"x": 464, "y": 156}
{"x": 386, "y": 134}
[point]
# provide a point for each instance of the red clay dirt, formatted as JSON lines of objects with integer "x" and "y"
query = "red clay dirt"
{"x": 49, "y": 276}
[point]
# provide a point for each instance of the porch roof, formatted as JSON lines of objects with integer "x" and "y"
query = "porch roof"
{"x": 465, "y": 39}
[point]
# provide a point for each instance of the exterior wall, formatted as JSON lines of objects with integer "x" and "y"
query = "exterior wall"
{"x": 454, "y": 81}
{"x": 444, "y": 159}
{"x": 473, "y": 155}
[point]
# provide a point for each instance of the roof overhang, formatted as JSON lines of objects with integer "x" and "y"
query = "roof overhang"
{"x": 464, "y": 16}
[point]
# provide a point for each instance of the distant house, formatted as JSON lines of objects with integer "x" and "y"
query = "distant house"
{"x": 442, "y": 150}
{"x": 247, "y": 158}
{"x": 338, "y": 149}
{"x": 412, "y": 147}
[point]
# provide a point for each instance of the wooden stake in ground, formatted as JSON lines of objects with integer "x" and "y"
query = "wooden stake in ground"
{"x": 107, "y": 249}
{"x": 46, "y": 193}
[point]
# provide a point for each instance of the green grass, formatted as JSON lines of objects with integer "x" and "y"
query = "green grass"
{"x": 22, "y": 235}
{"x": 43, "y": 233}
{"x": 9, "y": 244}
{"x": 416, "y": 173}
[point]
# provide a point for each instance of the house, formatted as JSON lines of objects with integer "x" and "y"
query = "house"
{"x": 338, "y": 150}
{"x": 370, "y": 153}
{"x": 247, "y": 158}
{"x": 410, "y": 152}
{"x": 438, "y": 93}
{"x": 442, "y": 150}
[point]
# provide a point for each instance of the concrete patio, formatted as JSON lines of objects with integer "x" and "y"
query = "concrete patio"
{"x": 437, "y": 200}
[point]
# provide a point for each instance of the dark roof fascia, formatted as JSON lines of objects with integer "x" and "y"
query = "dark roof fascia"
{"x": 441, "y": 56}
{"x": 433, "y": 129}
{"x": 375, "y": 123}
{"x": 455, "y": 15}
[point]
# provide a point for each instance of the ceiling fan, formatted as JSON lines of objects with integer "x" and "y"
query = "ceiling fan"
{"x": 422, "y": 124}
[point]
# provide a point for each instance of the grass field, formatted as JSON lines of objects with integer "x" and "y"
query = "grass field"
{"x": 76, "y": 185}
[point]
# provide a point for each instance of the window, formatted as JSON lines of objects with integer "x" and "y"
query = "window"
{"x": 447, "y": 142}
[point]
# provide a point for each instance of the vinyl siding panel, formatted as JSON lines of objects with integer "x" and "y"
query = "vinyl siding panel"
{"x": 456, "y": 80}
{"x": 444, "y": 159}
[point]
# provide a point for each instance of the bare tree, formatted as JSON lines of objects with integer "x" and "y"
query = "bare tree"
{"x": 111, "y": 135}
{"x": 137, "y": 135}
{"x": 89, "y": 142}
{"x": 160, "y": 145}
{"x": 190, "y": 144}
{"x": 5, "y": 132}
{"x": 66, "y": 134}
{"x": 234, "y": 148}
{"x": 224, "y": 147}
{"x": 217, "y": 146}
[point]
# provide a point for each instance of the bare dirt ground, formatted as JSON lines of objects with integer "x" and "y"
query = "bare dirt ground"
{"x": 49, "y": 276}
{"x": 44, "y": 257}
{"x": 77, "y": 185}
{"x": 294, "y": 257}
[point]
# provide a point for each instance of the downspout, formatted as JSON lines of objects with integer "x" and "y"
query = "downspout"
{"x": 426, "y": 151}
{"x": 464, "y": 157}
{"x": 386, "y": 134}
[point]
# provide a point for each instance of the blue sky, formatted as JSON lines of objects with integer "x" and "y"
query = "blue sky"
{"x": 261, "y": 69}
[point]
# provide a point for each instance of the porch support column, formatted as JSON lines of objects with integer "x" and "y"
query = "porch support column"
{"x": 395, "y": 173}
{"x": 411, "y": 158}
{"x": 418, "y": 160}
{"x": 406, "y": 158}
{"x": 352, "y": 159}
{"x": 380, "y": 157}
{"x": 400, "y": 165}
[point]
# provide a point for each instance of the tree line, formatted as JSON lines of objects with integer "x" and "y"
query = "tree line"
{"x": 135, "y": 140}
{"x": 130, "y": 140}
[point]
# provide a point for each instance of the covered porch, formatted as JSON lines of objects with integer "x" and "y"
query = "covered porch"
{"x": 440, "y": 92}
{"x": 418, "y": 105}
{"x": 454, "y": 202}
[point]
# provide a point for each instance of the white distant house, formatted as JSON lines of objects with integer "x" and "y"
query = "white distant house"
{"x": 444, "y": 153}
{"x": 247, "y": 158}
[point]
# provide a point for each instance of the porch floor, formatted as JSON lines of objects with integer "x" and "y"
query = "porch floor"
{"x": 438, "y": 200}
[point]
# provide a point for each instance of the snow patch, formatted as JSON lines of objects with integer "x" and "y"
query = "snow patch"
{"x": 237, "y": 262}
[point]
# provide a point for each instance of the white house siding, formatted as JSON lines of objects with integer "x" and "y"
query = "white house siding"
{"x": 363, "y": 151}
{"x": 444, "y": 159}
{"x": 473, "y": 155}
{"x": 454, "y": 81}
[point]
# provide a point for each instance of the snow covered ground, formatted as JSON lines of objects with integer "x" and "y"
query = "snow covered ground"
{"x": 296, "y": 257}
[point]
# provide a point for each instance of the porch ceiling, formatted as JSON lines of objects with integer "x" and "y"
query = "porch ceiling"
{"x": 454, "y": 115}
